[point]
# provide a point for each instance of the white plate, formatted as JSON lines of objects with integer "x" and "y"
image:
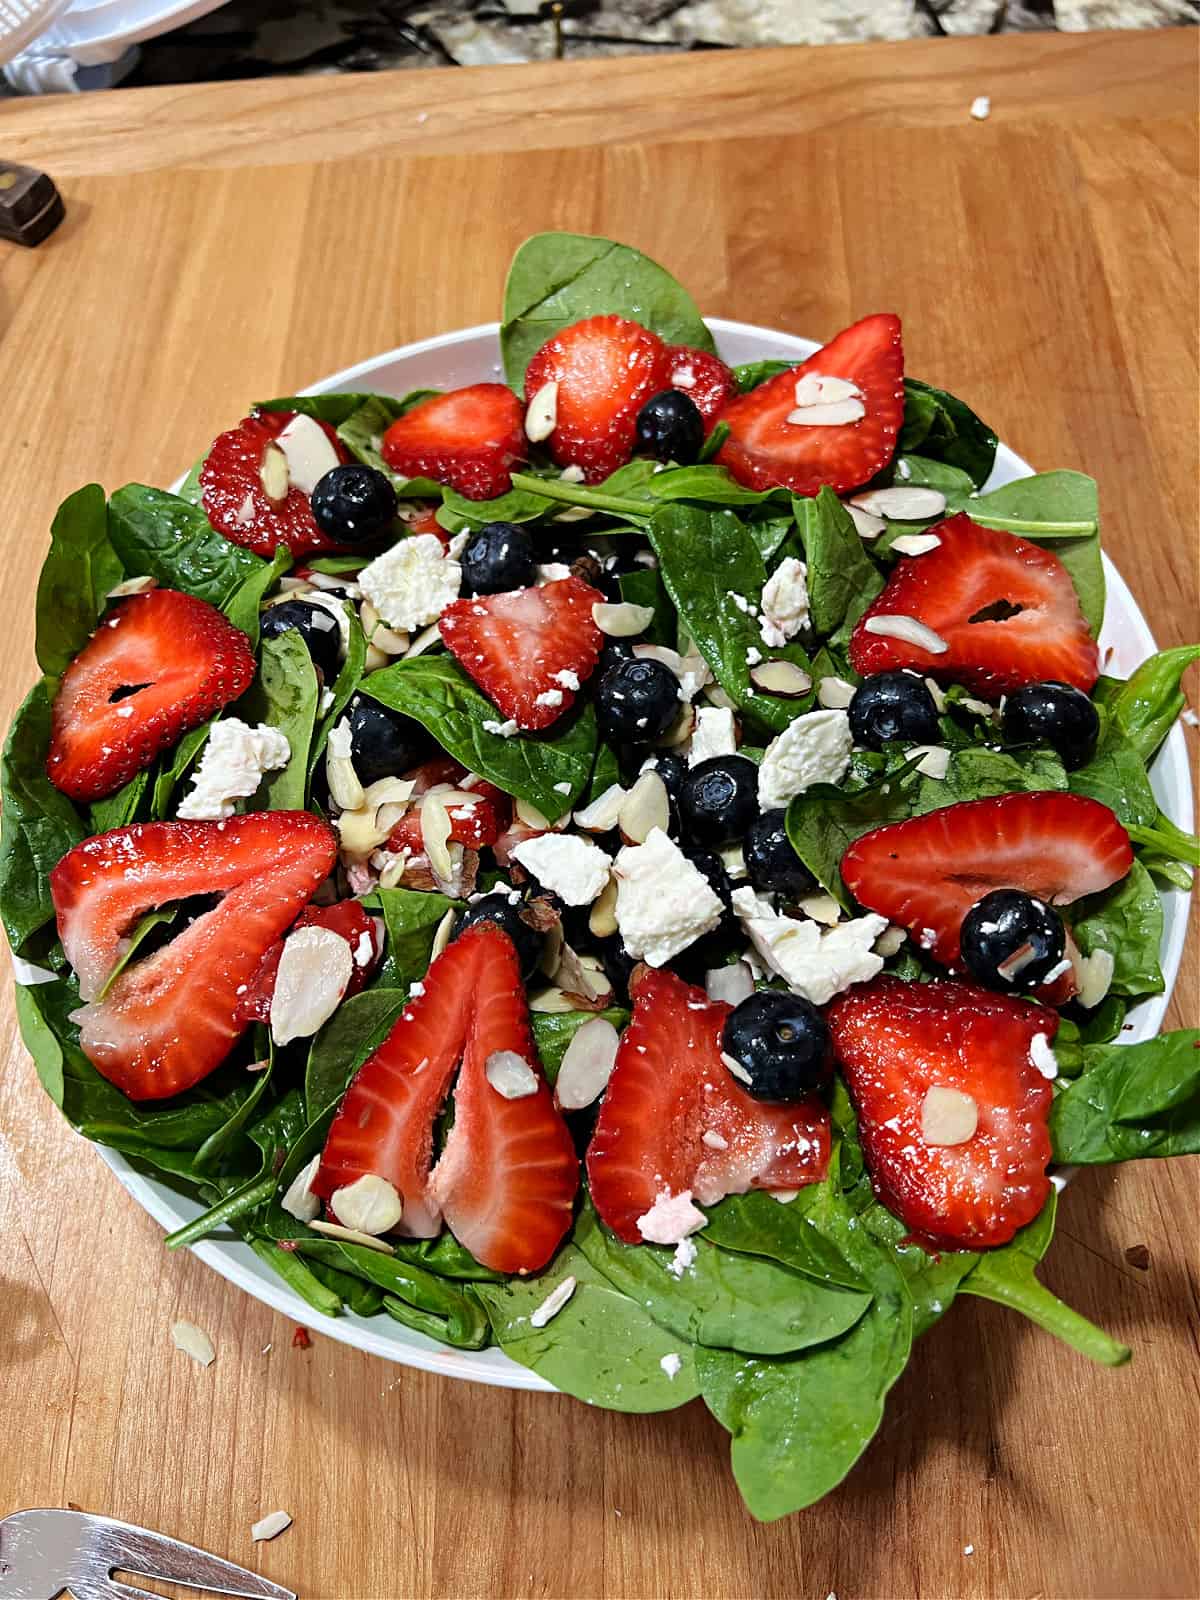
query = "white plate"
{"x": 473, "y": 356}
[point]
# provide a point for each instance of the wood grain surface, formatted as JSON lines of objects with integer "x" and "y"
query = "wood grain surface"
{"x": 223, "y": 244}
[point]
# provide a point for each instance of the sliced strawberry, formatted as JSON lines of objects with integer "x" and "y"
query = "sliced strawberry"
{"x": 927, "y": 873}
{"x": 668, "y": 1090}
{"x": 169, "y": 1019}
{"x": 606, "y": 368}
{"x": 1005, "y": 608}
{"x": 469, "y": 439}
{"x": 347, "y": 917}
{"x": 235, "y": 498}
{"x": 384, "y": 1124}
{"x": 524, "y": 649}
{"x": 508, "y": 1175}
{"x": 704, "y": 378}
{"x": 424, "y": 520}
{"x": 898, "y": 1040}
{"x": 158, "y": 664}
{"x": 765, "y": 451}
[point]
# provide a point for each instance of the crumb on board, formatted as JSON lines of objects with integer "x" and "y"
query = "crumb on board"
{"x": 194, "y": 1342}
{"x": 270, "y": 1526}
{"x": 301, "y": 1339}
{"x": 981, "y": 107}
{"x": 1138, "y": 1255}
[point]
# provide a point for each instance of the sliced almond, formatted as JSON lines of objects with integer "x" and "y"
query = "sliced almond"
{"x": 375, "y": 658}
{"x": 442, "y": 936}
{"x": 935, "y": 760}
{"x": 428, "y": 636}
{"x": 1021, "y": 958}
{"x": 730, "y": 984}
{"x": 890, "y": 942}
{"x": 435, "y": 835}
{"x": 587, "y": 1064}
{"x": 822, "y": 908}
{"x": 532, "y": 817}
{"x": 510, "y": 1075}
{"x": 909, "y": 630}
{"x": 937, "y": 694}
{"x": 866, "y": 525}
{"x": 541, "y": 414}
{"x": 368, "y": 1205}
{"x": 298, "y": 1200}
{"x": 132, "y": 586}
{"x": 345, "y": 790}
{"x": 272, "y": 1525}
{"x": 194, "y": 1342}
{"x": 680, "y": 730}
{"x": 646, "y": 807}
{"x": 834, "y": 694}
{"x": 307, "y": 450}
{"x": 948, "y": 1116}
{"x": 334, "y": 1230}
{"x": 902, "y": 503}
{"x": 273, "y": 473}
{"x": 379, "y": 634}
{"x": 549, "y": 1002}
{"x": 314, "y": 971}
{"x": 736, "y": 1068}
{"x": 716, "y": 696}
{"x": 602, "y": 814}
{"x": 392, "y": 871}
{"x": 552, "y": 948}
{"x": 621, "y": 619}
{"x": 1093, "y": 977}
{"x": 916, "y": 544}
{"x": 602, "y": 918}
{"x": 816, "y": 389}
{"x": 833, "y": 414}
{"x": 583, "y": 980}
{"x": 782, "y": 678}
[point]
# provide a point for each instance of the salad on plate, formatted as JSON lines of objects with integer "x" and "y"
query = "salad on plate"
{"x": 640, "y": 864}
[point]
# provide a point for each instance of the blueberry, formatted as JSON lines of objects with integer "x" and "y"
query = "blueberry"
{"x": 718, "y": 800}
{"x": 670, "y": 427}
{"x": 1053, "y": 714}
{"x": 672, "y": 769}
{"x": 498, "y": 558}
{"x": 382, "y": 742}
{"x": 637, "y": 700}
{"x": 773, "y": 865}
{"x": 618, "y": 964}
{"x": 506, "y": 914}
{"x": 1012, "y": 940}
{"x": 712, "y": 869}
{"x": 782, "y": 1043}
{"x": 891, "y": 706}
{"x": 316, "y": 625}
{"x": 353, "y": 503}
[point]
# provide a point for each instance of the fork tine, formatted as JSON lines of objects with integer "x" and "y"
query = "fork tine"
{"x": 155, "y": 1555}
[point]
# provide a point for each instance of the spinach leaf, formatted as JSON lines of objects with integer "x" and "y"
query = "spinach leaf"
{"x": 932, "y": 1279}
{"x": 756, "y": 1224}
{"x": 274, "y": 1134}
{"x": 943, "y": 428}
{"x": 445, "y": 1257}
{"x": 1145, "y": 707}
{"x": 175, "y": 767}
{"x": 79, "y": 570}
{"x": 559, "y": 278}
{"x": 715, "y": 486}
{"x": 285, "y": 695}
{"x": 242, "y": 606}
{"x": 160, "y": 534}
{"x": 1166, "y": 840}
{"x": 297, "y": 1275}
{"x": 518, "y": 505}
{"x": 414, "y": 1296}
{"x": 1127, "y": 921}
{"x": 160, "y": 918}
{"x": 601, "y": 1347}
{"x": 740, "y": 1302}
{"x": 1006, "y": 1275}
{"x": 920, "y": 472}
{"x": 1116, "y": 776}
{"x": 1132, "y": 1101}
{"x": 357, "y": 1028}
{"x": 411, "y": 918}
{"x": 842, "y": 578}
{"x": 713, "y": 572}
{"x": 115, "y": 810}
{"x": 362, "y": 1298}
{"x": 1047, "y": 506}
{"x": 347, "y": 681}
{"x": 751, "y": 373}
{"x": 39, "y": 824}
{"x": 554, "y": 1030}
{"x": 436, "y": 692}
{"x": 331, "y": 408}
{"x": 219, "y": 1141}
{"x": 799, "y": 1423}
{"x": 39, "y": 1039}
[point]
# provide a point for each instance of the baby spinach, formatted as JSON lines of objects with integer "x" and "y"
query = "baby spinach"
{"x": 362, "y": 431}
{"x": 842, "y": 578}
{"x": 1164, "y": 839}
{"x": 943, "y": 428}
{"x": 174, "y": 767}
{"x": 736, "y": 1301}
{"x": 411, "y": 919}
{"x": 1145, "y": 707}
{"x": 1116, "y": 776}
{"x": 456, "y": 512}
{"x": 1127, "y": 921}
{"x": 757, "y": 1224}
{"x": 1131, "y": 1102}
{"x": 39, "y": 824}
{"x": 160, "y": 534}
{"x": 602, "y": 1347}
{"x": 1006, "y": 1275}
{"x": 162, "y": 917}
{"x": 242, "y": 606}
{"x": 357, "y": 1028}
{"x": 559, "y": 278}
{"x": 80, "y": 568}
{"x": 554, "y": 1030}
{"x": 297, "y": 1275}
{"x": 115, "y": 810}
{"x": 446, "y": 1258}
{"x": 355, "y": 1294}
{"x": 436, "y": 692}
{"x": 751, "y": 373}
{"x": 415, "y": 1297}
{"x": 1047, "y": 506}
{"x": 331, "y": 408}
{"x": 344, "y": 685}
{"x": 39, "y": 1039}
{"x": 284, "y": 695}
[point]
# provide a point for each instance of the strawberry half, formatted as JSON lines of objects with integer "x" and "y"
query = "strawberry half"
{"x": 704, "y": 378}
{"x": 525, "y": 649}
{"x": 896, "y": 1041}
{"x": 507, "y": 1178}
{"x": 765, "y": 451}
{"x": 470, "y": 439}
{"x": 606, "y": 368}
{"x": 1006, "y": 609}
{"x": 158, "y": 664}
{"x": 348, "y": 918}
{"x": 168, "y": 1020}
{"x": 668, "y": 1090}
{"x": 384, "y": 1124}
{"x": 235, "y": 498}
{"x": 927, "y": 873}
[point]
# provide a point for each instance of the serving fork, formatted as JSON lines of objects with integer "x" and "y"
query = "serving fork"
{"x": 47, "y": 1553}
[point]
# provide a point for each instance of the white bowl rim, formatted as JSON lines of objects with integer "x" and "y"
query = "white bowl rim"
{"x": 234, "y": 1260}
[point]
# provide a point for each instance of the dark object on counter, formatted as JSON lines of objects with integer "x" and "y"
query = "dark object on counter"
{"x": 30, "y": 206}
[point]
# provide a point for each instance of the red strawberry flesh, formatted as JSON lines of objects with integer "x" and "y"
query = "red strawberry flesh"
{"x": 346, "y": 917}
{"x": 469, "y": 439}
{"x": 704, "y": 378}
{"x": 235, "y": 499}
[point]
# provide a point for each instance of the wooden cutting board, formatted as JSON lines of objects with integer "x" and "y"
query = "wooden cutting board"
{"x": 227, "y": 243}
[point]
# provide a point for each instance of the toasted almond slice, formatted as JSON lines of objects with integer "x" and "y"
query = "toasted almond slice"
{"x": 834, "y": 694}
{"x": 334, "y": 1230}
{"x": 194, "y": 1342}
{"x": 441, "y": 937}
{"x": 916, "y": 544}
{"x": 603, "y": 813}
{"x": 602, "y": 918}
{"x": 315, "y": 969}
{"x": 541, "y": 415}
{"x": 368, "y": 1205}
{"x": 273, "y": 473}
{"x": 910, "y": 631}
{"x": 830, "y": 415}
{"x": 587, "y": 1064}
{"x": 680, "y": 730}
{"x": 551, "y": 1001}
{"x": 435, "y": 834}
{"x": 782, "y": 678}
{"x": 646, "y": 807}
{"x": 621, "y": 619}
{"x": 510, "y": 1075}
{"x": 866, "y": 525}
{"x": 902, "y": 503}
{"x": 822, "y": 908}
{"x": 935, "y": 760}
{"x": 730, "y": 984}
{"x": 948, "y": 1116}
{"x": 132, "y": 586}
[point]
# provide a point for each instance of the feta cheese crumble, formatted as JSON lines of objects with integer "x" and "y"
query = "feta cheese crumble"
{"x": 815, "y": 748}
{"x": 411, "y": 584}
{"x": 671, "y": 1364}
{"x": 814, "y": 964}
{"x": 664, "y": 902}
{"x": 713, "y": 735}
{"x": 684, "y": 1257}
{"x": 502, "y": 730}
{"x": 670, "y": 1219}
{"x": 568, "y": 866}
{"x": 784, "y": 603}
{"x": 232, "y": 766}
